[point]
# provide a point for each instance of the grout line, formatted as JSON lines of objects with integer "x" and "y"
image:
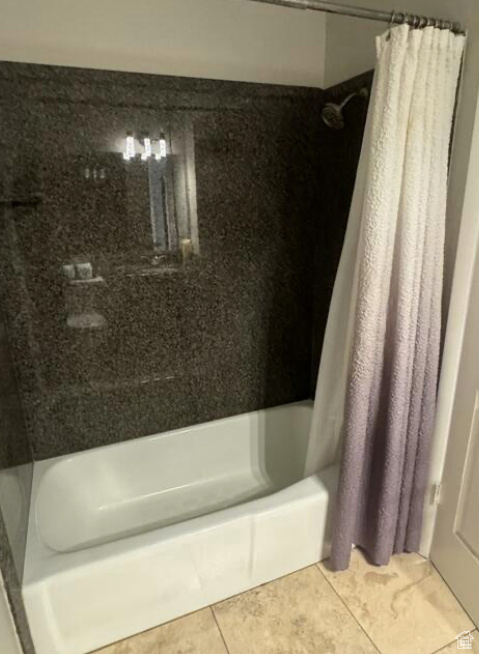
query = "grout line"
{"x": 475, "y": 626}
{"x": 438, "y": 651}
{"x": 453, "y": 642}
{"x": 219, "y": 628}
{"x": 348, "y": 609}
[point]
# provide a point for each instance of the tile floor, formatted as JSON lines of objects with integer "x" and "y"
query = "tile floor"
{"x": 404, "y": 608}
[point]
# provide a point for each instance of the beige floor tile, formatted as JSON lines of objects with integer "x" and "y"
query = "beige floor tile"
{"x": 405, "y": 608}
{"x": 298, "y": 614}
{"x": 454, "y": 649}
{"x": 196, "y": 633}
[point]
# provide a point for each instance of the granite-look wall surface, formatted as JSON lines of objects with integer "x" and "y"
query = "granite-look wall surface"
{"x": 15, "y": 484}
{"x": 338, "y": 166}
{"x": 125, "y": 326}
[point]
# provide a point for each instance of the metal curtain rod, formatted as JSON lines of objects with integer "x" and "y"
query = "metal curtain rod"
{"x": 394, "y": 17}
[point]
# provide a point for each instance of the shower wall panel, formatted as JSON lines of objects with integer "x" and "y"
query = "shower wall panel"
{"x": 338, "y": 167}
{"x": 157, "y": 234}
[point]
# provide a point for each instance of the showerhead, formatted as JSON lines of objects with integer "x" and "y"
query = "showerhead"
{"x": 332, "y": 113}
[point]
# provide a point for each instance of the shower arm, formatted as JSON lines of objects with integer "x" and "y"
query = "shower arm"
{"x": 393, "y": 18}
{"x": 347, "y": 99}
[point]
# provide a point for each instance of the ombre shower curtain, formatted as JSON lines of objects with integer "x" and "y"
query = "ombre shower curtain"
{"x": 376, "y": 392}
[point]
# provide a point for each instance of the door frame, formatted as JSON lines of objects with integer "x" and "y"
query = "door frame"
{"x": 463, "y": 205}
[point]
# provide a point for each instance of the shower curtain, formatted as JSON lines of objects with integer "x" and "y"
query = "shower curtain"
{"x": 376, "y": 391}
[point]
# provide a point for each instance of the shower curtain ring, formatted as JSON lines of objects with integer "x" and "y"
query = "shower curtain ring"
{"x": 416, "y": 21}
{"x": 393, "y": 18}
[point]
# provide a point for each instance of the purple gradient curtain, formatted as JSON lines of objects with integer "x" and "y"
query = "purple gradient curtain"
{"x": 376, "y": 392}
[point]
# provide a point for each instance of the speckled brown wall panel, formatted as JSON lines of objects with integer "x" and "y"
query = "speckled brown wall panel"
{"x": 228, "y": 331}
{"x": 338, "y": 167}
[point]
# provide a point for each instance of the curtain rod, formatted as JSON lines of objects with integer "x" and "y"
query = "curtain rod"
{"x": 393, "y": 17}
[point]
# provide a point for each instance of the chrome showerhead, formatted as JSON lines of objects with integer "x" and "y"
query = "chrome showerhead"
{"x": 332, "y": 113}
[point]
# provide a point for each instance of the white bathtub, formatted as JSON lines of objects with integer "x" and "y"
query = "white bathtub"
{"x": 125, "y": 537}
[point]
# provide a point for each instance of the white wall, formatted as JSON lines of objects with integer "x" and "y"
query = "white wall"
{"x": 350, "y": 42}
{"x": 463, "y": 221}
{"x": 220, "y": 39}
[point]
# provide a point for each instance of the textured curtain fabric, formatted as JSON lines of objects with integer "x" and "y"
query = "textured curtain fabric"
{"x": 376, "y": 392}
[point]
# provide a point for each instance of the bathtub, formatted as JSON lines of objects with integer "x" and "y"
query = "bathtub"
{"x": 125, "y": 537}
